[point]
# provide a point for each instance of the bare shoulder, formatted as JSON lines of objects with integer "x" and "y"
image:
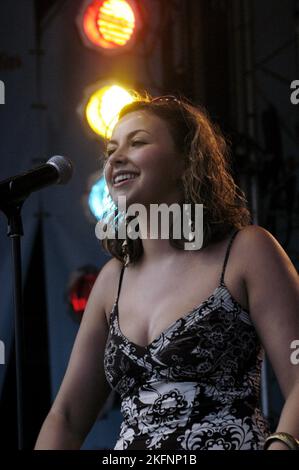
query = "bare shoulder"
{"x": 270, "y": 276}
{"x": 262, "y": 263}
{"x": 110, "y": 269}
{"x": 259, "y": 246}
{"x": 107, "y": 282}
{"x": 272, "y": 284}
{"x": 256, "y": 233}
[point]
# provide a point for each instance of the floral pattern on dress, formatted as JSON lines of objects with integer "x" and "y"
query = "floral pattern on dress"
{"x": 196, "y": 386}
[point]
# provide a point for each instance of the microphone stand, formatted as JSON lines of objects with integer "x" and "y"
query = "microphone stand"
{"x": 15, "y": 231}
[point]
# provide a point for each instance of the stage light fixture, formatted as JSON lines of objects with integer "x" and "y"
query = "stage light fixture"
{"x": 108, "y": 25}
{"x": 79, "y": 287}
{"x": 101, "y": 105}
{"x": 99, "y": 200}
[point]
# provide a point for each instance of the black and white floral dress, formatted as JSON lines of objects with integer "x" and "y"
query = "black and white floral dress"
{"x": 196, "y": 386}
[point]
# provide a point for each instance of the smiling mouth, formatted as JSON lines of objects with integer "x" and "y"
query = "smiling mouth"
{"x": 124, "y": 181}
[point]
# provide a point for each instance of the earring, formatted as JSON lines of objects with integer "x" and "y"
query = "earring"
{"x": 125, "y": 252}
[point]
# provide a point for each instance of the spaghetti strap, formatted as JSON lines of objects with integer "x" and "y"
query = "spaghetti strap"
{"x": 119, "y": 284}
{"x": 227, "y": 255}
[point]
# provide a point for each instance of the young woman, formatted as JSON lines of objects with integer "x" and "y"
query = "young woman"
{"x": 179, "y": 333}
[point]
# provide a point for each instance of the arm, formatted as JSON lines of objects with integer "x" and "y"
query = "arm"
{"x": 84, "y": 389}
{"x": 273, "y": 291}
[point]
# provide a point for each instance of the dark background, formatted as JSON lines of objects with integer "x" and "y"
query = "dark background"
{"x": 236, "y": 57}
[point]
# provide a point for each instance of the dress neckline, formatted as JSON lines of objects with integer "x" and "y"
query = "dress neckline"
{"x": 222, "y": 285}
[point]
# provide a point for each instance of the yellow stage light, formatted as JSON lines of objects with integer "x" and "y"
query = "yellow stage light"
{"x": 103, "y": 106}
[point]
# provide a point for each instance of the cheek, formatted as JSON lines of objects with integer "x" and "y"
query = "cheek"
{"x": 164, "y": 170}
{"x": 156, "y": 162}
{"x": 107, "y": 171}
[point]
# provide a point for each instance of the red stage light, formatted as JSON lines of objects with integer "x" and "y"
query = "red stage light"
{"x": 107, "y": 24}
{"x": 79, "y": 289}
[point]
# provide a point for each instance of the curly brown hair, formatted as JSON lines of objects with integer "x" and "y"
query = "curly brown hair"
{"x": 207, "y": 178}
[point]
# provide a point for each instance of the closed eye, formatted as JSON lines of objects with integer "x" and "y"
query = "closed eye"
{"x": 109, "y": 152}
{"x": 134, "y": 143}
{"x": 137, "y": 142}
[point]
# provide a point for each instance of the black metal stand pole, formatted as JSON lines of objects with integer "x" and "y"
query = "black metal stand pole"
{"x": 15, "y": 231}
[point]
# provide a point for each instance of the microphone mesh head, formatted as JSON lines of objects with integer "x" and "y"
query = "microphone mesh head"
{"x": 63, "y": 166}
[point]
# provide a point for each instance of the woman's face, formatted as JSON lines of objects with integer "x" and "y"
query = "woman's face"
{"x": 143, "y": 151}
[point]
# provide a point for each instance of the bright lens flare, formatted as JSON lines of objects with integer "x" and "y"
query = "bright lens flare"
{"x": 99, "y": 201}
{"x": 116, "y": 21}
{"x": 103, "y": 107}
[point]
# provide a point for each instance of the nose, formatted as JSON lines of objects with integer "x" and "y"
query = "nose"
{"x": 118, "y": 156}
{"x": 116, "y": 159}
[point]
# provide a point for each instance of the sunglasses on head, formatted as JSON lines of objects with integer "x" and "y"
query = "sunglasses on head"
{"x": 166, "y": 98}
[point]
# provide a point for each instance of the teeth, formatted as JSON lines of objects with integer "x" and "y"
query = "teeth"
{"x": 124, "y": 176}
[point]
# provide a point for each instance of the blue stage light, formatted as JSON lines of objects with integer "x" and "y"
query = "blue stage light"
{"x": 99, "y": 200}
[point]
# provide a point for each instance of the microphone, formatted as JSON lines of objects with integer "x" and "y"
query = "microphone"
{"x": 57, "y": 170}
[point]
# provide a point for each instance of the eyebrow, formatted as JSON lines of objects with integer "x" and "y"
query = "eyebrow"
{"x": 131, "y": 134}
